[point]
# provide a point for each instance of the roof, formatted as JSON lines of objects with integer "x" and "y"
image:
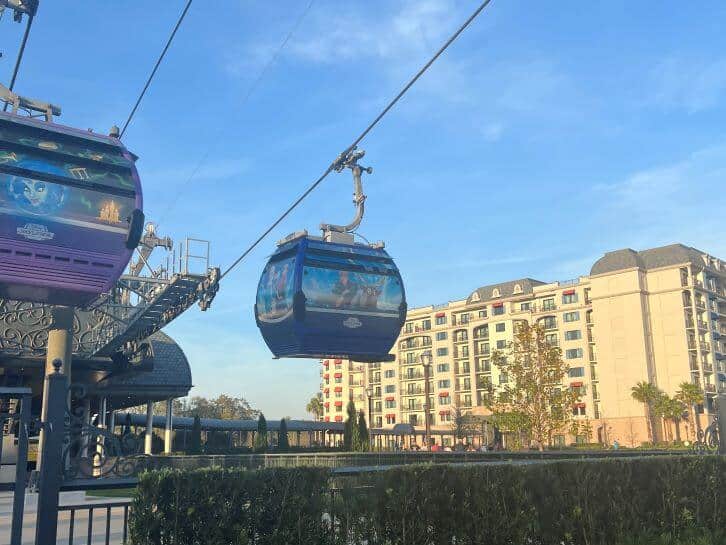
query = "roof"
{"x": 216, "y": 424}
{"x": 504, "y": 289}
{"x": 663, "y": 256}
{"x": 168, "y": 376}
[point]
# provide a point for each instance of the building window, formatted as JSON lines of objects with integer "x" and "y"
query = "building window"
{"x": 576, "y": 372}
{"x": 442, "y": 368}
{"x": 503, "y": 378}
{"x": 517, "y": 288}
{"x": 440, "y": 320}
{"x": 573, "y": 353}
{"x": 551, "y": 339}
{"x": 426, "y": 324}
{"x": 571, "y": 316}
{"x": 558, "y": 441}
{"x": 445, "y": 383}
{"x": 498, "y": 310}
{"x": 569, "y": 298}
{"x": 390, "y": 404}
{"x": 409, "y": 327}
{"x": 501, "y": 327}
{"x": 573, "y": 335}
{"x": 548, "y": 304}
{"x": 445, "y": 417}
{"x": 483, "y": 313}
{"x": 501, "y": 344}
{"x": 495, "y": 292}
{"x": 579, "y": 410}
{"x": 467, "y": 399}
{"x": 390, "y": 373}
{"x": 549, "y": 322}
{"x": 525, "y": 306}
{"x": 338, "y": 380}
{"x": 442, "y": 351}
{"x": 441, "y": 336}
{"x": 390, "y": 388}
{"x": 444, "y": 400}
{"x": 338, "y": 393}
{"x": 378, "y": 406}
{"x": 390, "y": 419}
{"x": 379, "y": 422}
{"x": 464, "y": 369}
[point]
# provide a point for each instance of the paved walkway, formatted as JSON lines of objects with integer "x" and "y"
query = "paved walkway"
{"x": 81, "y": 519}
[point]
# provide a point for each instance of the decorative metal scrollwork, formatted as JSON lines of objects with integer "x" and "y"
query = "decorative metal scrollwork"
{"x": 94, "y": 452}
{"x": 707, "y": 440}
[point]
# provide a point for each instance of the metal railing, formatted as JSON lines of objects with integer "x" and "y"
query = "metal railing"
{"x": 74, "y": 529}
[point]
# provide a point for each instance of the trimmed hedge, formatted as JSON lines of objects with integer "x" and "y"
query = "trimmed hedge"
{"x": 605, "y": 502}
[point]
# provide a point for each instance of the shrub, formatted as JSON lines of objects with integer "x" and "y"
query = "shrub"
{"x": 612, "y": 501}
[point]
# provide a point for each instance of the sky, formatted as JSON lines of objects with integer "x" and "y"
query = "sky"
{"x": 548, "y": 134}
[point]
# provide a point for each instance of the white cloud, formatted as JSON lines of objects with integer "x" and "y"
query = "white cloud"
{"x": 691, "y": 85}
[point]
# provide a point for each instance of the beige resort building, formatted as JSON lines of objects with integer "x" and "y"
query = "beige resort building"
{"x": 656, "y": 315}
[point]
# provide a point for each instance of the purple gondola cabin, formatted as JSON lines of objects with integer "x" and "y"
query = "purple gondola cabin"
{"x": 70, "y": 211}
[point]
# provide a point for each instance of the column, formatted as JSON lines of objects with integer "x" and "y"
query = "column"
{"x": 169, "y": 425}
{"x": 87, "y": 422}
{"x": 112, "y": 421}
{"x": 149, "y": 426}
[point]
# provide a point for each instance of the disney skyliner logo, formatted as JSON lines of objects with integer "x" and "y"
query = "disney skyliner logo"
{"x": 35, "y": 231}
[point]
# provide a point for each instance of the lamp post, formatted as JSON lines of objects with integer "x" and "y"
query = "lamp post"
{"x": 369, "y": 394}
{"x": 426, "y": 359}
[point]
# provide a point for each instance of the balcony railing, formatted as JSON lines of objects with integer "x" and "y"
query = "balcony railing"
{"x": 705, "y": 347}
{"x": 412, "y": 376}
{"x": 711, "y": 388}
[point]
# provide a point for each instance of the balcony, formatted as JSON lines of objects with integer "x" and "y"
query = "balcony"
{"x": 702, "y": 325}
{"x": 482, "y": 352}
{"x": 414, "y": 391}
{"x": 412, "y": 407}
{"x": 463, "y": 370}
{"x": 710, "y": 388}
{"x": 707, "y": 368}
{"x": 412, "y": 376}
{"x": 705, "y": 347}
{"x": 483, "y": 384}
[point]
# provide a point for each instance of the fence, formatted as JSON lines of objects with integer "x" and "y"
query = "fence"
{"x": 114, "y": 528}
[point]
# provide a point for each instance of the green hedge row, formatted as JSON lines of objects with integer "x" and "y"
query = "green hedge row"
{"x": 603, "y": 502}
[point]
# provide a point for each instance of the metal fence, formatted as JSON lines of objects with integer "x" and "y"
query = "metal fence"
{"x": 81, "y": 523}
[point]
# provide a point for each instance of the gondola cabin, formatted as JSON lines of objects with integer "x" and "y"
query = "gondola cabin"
{"x": 70, "y": 211}
{"x": 321, "y": 299}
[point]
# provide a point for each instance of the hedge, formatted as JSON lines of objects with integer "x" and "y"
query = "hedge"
{"x": 604, "y": 502}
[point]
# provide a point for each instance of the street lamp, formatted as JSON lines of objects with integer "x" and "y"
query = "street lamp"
{"x": 426, "y": 359}
{"x": 369, "y": 393}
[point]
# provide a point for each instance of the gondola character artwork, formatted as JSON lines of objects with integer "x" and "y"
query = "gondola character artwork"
{"x": 70, "y": 211}
{"x": 330, "y": 296}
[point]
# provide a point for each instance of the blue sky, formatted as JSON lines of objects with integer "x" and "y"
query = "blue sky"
{"x": 548, "y": 134}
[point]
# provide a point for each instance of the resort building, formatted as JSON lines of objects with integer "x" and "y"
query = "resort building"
{"x": 656, "y": 315}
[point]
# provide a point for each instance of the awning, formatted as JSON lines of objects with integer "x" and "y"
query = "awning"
{"x": 338, "y": 389}
{"x": 443, "y": 394}
{"x": 338, "y": 375}
{"x": 338, "y": 403}
{"x": 568, "y": 292}
{"x": 577, "y": 384}
{"x": 497, "y": 305}
{"x": 390, "y": 398}
{"x": 440, "y": 314}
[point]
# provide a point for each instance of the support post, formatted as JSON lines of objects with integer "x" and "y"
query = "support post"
{"x": 21, "y": 471}
{"x": 60, "y": 348}
{"x": 169, "y": 425}
{"x": 86, "y": 422}
{"x": 56, "y": 388}
{"x": 149, "y": 427}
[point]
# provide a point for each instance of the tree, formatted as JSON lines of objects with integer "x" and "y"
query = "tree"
{"x": 647, "y": 394}
{"x": 283, "y": 443}
{"x": 691, "y": 395}
{"x": 315, "y": 407}
{"x": 365, "y": 438}
{"x": 351, "y": 432}
{"x": 261, "y": 441}
{"x": 195, "y": 442}
{"x": 533, "y": 396}
{"x": 672, "y": 409}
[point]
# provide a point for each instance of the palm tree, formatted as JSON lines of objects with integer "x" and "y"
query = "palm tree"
{"x": 670, "y": 409}
{"x": 691, "y": 395}
{"x": 315, "y": 407}
{"x": 647, "y": 393}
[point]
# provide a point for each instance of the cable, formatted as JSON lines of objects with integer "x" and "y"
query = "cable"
{"x": 357, "y": 141}
{"x": 246, "y": 97}
{"x": 156, "y": 66}
{"x": 20, "y": 57}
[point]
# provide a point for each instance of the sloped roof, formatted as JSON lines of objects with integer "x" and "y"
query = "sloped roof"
{"x": 506, "y": 289}
{"x": 170, "y": 372}
{"x": 663, "y": 256}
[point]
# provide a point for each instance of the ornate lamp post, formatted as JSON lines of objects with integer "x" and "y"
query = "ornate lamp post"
{"x": 426, "y": 359}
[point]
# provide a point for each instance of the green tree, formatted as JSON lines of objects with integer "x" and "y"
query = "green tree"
{"x": 283, "y": 442}
{"x": 672, "y": 409}
{"x": 691, "y": 395}
{"x": 365, "y": 439}
{"x": 315, "y": 407}
{"x": 261, "y": 441}
{"x": 195, "y": 443}
{"x": 534, "y": 391}
{"x": 647, "y": 394}
{"x": 351, "y": 433}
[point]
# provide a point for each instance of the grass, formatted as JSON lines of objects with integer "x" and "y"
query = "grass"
{"x": 111, "y": 493}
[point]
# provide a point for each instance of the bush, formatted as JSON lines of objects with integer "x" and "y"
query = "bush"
{"x": 611, "y": 502}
